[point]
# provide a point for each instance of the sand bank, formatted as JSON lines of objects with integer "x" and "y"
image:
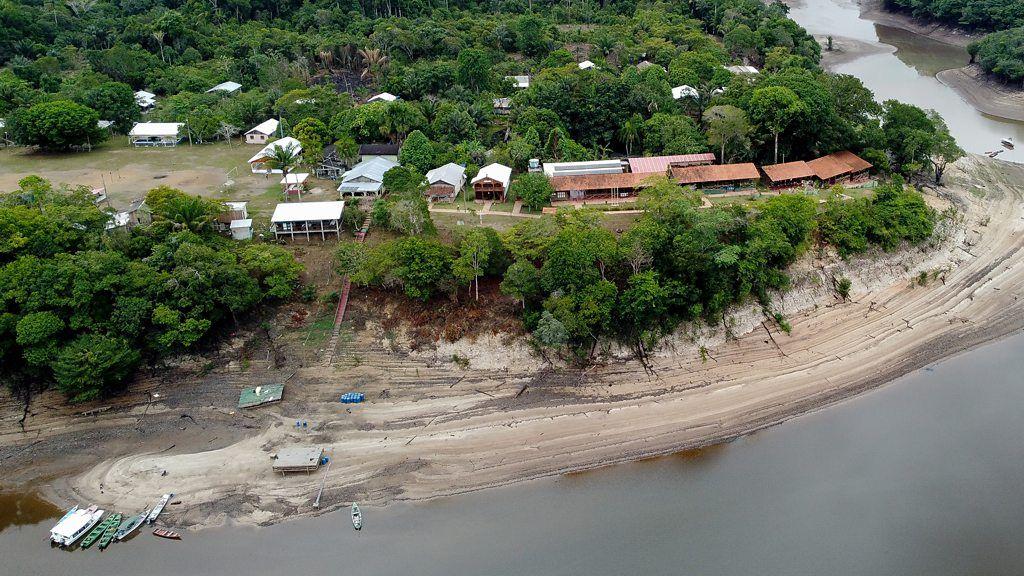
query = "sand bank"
{"x": 984, "y": 93}
{"x": 433, "y": 429}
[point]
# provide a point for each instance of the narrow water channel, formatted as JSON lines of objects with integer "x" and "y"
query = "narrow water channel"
{"x": 908, "y": 73}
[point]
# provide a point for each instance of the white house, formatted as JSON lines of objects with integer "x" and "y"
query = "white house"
{"x": 366, "y": 178}
{"x": 519, "y": 81}
{"x": 685, "y": 91}
{"x": 260, "y": 133}
{"x": 155, "y": 134}
{"x": 742, "y": 70}
{"x": 445, "y": 183}
{"x": 586, "y": 65}
{"x": 307, "y": 219}
{"x": 491, "y": 182}
{"x": 226, "y": 87}
{"x": 258, "y": 162}
{"x": 145, "y": 100}
{"x": 383, "y": 97}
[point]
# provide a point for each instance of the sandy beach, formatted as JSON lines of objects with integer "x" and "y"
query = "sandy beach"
{"x": 432, "y": 427}
{"x": 985, "y": 94}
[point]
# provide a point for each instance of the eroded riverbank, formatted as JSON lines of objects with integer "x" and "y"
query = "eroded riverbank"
{"x": 432, "y": 429}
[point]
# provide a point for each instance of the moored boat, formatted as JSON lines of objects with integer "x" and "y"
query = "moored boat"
{"x": 165, "y": 533}
{"x": 75, "y": 525}
{"x": 357, "y": 517}
{"x": 155, "y": 513}
{"x": 109, "y": 533}
{"x": 95, "y": 533}
{"x": 67, "y": 514}
{"x": 131, "y": 525}
{"x": 1008, "y": 142}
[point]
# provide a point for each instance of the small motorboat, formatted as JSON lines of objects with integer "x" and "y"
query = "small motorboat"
{"x": 131, "y": 525}
{"x": 995, "y": 153}
{"x": 165, "y": 533}
{"x": 159, "y": 508}
{"x": 357, "y": 517}
{"x": 1008, "y": 142}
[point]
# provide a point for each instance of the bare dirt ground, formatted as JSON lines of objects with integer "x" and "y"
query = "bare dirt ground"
{"x": 984, "y": 93}
{"x": 443, "y": 418}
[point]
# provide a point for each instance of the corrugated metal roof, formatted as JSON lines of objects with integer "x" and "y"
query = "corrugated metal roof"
{"x": 268, "y": 150}
{"x": 302, "y": 211}
{"x": 496, "y": 172}
{"x": 261, "y": 394}
{"x": 650, "y": 164}
{"x": 146, "y": 129}
{"x": 788, "y": 171}
{"x": 715, "y": 173}
{"x": 373, "y": 169}
{"x": 267, "y": 127}
{"x": 450, "y": 173}
{"x": 598, "y": 181}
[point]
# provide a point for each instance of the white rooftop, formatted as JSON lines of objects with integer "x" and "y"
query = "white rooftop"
{"x": 236, "y": 205}
{"x": 307, "y": 211}
{"x": 519, "y": 81}
{"x": 685, "y": 91}
{"x": 144, "y": 129}
{"x": 383, "y": 97}
{"x": 742, "y": 69}
{"x": 372, "y": 169}
{"x": 246, "y": 223}
{"x": 104, "y": 124}
{"x": 228, "y": 87}
{"x": 450, "y": 173}
{"x": 268, "y": 150}
{"x": 494, "y": 171}
{"x": 267, "y": 127}
{"x": 295, "y": 178}
{"x": 586, "y": 65}
{"x": 145, "y": 99}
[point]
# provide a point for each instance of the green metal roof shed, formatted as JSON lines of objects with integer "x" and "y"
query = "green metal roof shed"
{"x": 252, "y": 397}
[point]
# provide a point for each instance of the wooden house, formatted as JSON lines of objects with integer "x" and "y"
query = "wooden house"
{"x": 491, "y": 182}
{"x": 582, "y": 187}
{"x": 445, "y": 183}
{"x": 840, "y": 167}
{"x": 789, "y": 175}
{"x": 387, "y": 151}
{"x": 717, "y": 177}
{"x": 307, "y": 219}
{"x": 332, "y": 165}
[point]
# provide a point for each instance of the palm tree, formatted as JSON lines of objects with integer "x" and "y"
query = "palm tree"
{"x": 373, "y": 62}
{"x": 158, "y": 35}
{"x": 629, "y": 133}
{"x": 190, "y": 213}
{"x": 285, "y": 159}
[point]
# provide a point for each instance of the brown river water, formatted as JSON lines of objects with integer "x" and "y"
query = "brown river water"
{"x": 923, "y": 476}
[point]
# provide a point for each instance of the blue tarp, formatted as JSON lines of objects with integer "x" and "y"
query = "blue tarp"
{"x": 352, "y": 397}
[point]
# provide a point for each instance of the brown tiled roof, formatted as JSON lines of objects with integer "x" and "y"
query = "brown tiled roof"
{"x": 598, "y": 181}
{"x": 855, "y": 162}
{"x": 828, "y": 167}
{"x": 715, "y": 173}
{"x": 788, "y": 171}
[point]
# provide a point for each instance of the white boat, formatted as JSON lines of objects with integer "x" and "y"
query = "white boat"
{"x": 74, "y": 525}
{"x": 1008, "y": 142}
{"x": 155, "y": 513}
{"x": 357, "y": 517}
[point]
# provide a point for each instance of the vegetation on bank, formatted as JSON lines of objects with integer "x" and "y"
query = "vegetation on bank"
{"x": 578, "y": 282}
{"x": 976, "y": 14}
{"x": 82, "y": 308}
{"x": 1001, "y": 54}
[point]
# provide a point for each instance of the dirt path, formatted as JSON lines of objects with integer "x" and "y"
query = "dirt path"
{"x": 431, "y": 428}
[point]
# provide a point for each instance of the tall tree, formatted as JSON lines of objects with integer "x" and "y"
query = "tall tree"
{"x": 726, "y": 124}
{"x": 775, "y": 108}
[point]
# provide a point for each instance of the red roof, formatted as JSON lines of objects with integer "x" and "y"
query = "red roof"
{"x": 788, "y": 171}
{"x": 651, "y": 164}
{"x": 715, "y": 173}
{"x": 598, "y": 181}
{"x": 838, "y": 164}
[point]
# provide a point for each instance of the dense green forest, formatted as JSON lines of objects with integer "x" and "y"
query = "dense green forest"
{"x": 1001, "y": 54}
{"x": 578, "y": 282}
{"x": 82, "y": 308}
{"x": 977, "y": 14}
{"x": 312, "y": 63}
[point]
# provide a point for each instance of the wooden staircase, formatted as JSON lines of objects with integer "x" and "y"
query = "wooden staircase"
{"x": 346, "y": 289}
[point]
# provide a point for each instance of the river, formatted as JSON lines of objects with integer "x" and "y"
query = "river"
{"x": 908, "y": 73}
{"x": 919, "y": 477}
